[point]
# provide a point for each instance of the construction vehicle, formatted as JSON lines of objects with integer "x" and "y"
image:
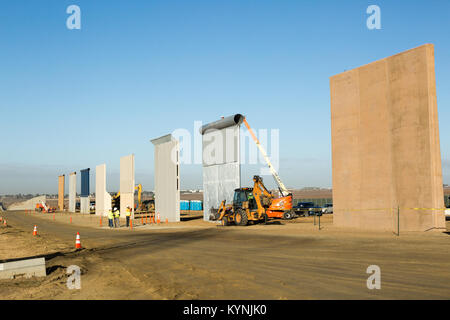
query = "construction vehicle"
{"x": 41, "y": 206}
{"x": 147, "y": 206}
{"x": 115, "y": 199}
{"x": 252, "y": 205}
{"x": 257, "y": 203}
{"x": 280, "y": 207}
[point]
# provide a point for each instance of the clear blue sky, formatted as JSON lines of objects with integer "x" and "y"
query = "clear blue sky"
{"x": 136, "y": 70}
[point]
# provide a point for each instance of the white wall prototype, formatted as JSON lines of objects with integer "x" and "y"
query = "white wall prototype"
{"x": 102, "y": 197}
{"x": 126, "y": 184}
{"x": 72, "y": 191}
{"x": 85, "y": 204}
{"x": 221, "y": 163}
{"x": 167, "y": 178}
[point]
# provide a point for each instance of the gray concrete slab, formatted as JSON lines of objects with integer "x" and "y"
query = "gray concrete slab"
{"x": 23, "y": 268}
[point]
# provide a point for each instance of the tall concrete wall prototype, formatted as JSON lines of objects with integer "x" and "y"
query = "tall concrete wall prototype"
{"x": 126, "y": 184}
{"x": 385, "y": 145}
{"x": 167, "y": 178}
{"x": 72, "y": 191}
{"x": 85, "y": 191}
{"x": 221, "y": 162}
{"x": 102, "y": 197}
{"x": 61, "y": 181}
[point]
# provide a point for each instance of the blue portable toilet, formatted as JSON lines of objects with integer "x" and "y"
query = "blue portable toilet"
{"x": 196, "y": 205}
{"x": 184, "y": 205}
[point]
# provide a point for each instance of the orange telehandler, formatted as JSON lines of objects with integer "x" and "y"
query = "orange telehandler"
{"x": 41, "y": 206}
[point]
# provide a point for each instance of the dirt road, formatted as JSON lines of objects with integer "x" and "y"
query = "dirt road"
{"x": 198, "y": 260}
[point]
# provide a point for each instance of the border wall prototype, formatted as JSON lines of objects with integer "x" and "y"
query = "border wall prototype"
{"x": 167, "y": 178}
{"x": 72, "y": 191}
{"x": 102, "y": 197}
{"x": 127, "y": 184}
{"x": 387, "y": 172}
{"x": 221, "y": 162}
{"x": 61, "y": 182}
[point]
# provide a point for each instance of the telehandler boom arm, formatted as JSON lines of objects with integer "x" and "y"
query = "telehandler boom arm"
{"x": 284, "y": 191}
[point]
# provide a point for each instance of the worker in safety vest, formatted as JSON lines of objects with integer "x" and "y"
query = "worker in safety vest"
{"x": 116, "y": 218}
{"x": 128, "y": 215}
{"x": 110, "y": 218}
{"x": 250, "y": 199}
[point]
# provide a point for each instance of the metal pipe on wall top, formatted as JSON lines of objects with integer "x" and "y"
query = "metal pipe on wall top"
{"x": 233, "y": 120}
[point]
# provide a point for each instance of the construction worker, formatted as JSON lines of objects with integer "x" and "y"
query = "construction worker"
{"x": 251, "y": 200}
{"x": 116, "y": 218}
{"x": 128, "y": 215}
{"x": 111, "y": 218}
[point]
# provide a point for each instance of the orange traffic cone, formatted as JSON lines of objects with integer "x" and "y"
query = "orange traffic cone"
{"x": 78, "y": 241}
{"x": 158, "y": 218}
{"x": 4, "y": 222}
{"x": 35, "y": 231}
{"x": 167, "y": 220}
{"x": 1, "y": 219}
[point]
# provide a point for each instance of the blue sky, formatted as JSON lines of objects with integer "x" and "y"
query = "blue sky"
{"x": 136, "y": 70}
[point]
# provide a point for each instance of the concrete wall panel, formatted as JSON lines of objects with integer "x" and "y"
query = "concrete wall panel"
{"x": 126, "y": 183}
{"x": 221, "y": 166}
{"x": 61, "y": 181}
{"x": 385, "y": 144}
{"x": 72, "y": 191}
{"x": 167, "y": 178}
{"x": 85, "y": 205}
{"x": 102, "y": 197}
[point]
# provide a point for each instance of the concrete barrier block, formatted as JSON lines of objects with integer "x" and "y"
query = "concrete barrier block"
{"x": 23, "y": 268}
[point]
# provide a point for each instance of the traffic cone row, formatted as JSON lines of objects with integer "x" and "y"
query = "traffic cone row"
{"x": 78, "y": 241}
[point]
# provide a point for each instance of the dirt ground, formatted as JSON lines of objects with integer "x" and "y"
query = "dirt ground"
{"x": 199, "y": 260}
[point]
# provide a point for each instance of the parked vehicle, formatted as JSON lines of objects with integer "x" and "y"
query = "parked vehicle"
{"x": 306, "y": 209}
{"x": 447, "y": 213}
{"x": 327, "y": 208}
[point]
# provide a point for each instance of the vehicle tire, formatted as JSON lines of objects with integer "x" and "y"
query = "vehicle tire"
{"x": 240, "y": 217}
{"x": 225, "y": 221}
{"x": 287, "y": 215}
